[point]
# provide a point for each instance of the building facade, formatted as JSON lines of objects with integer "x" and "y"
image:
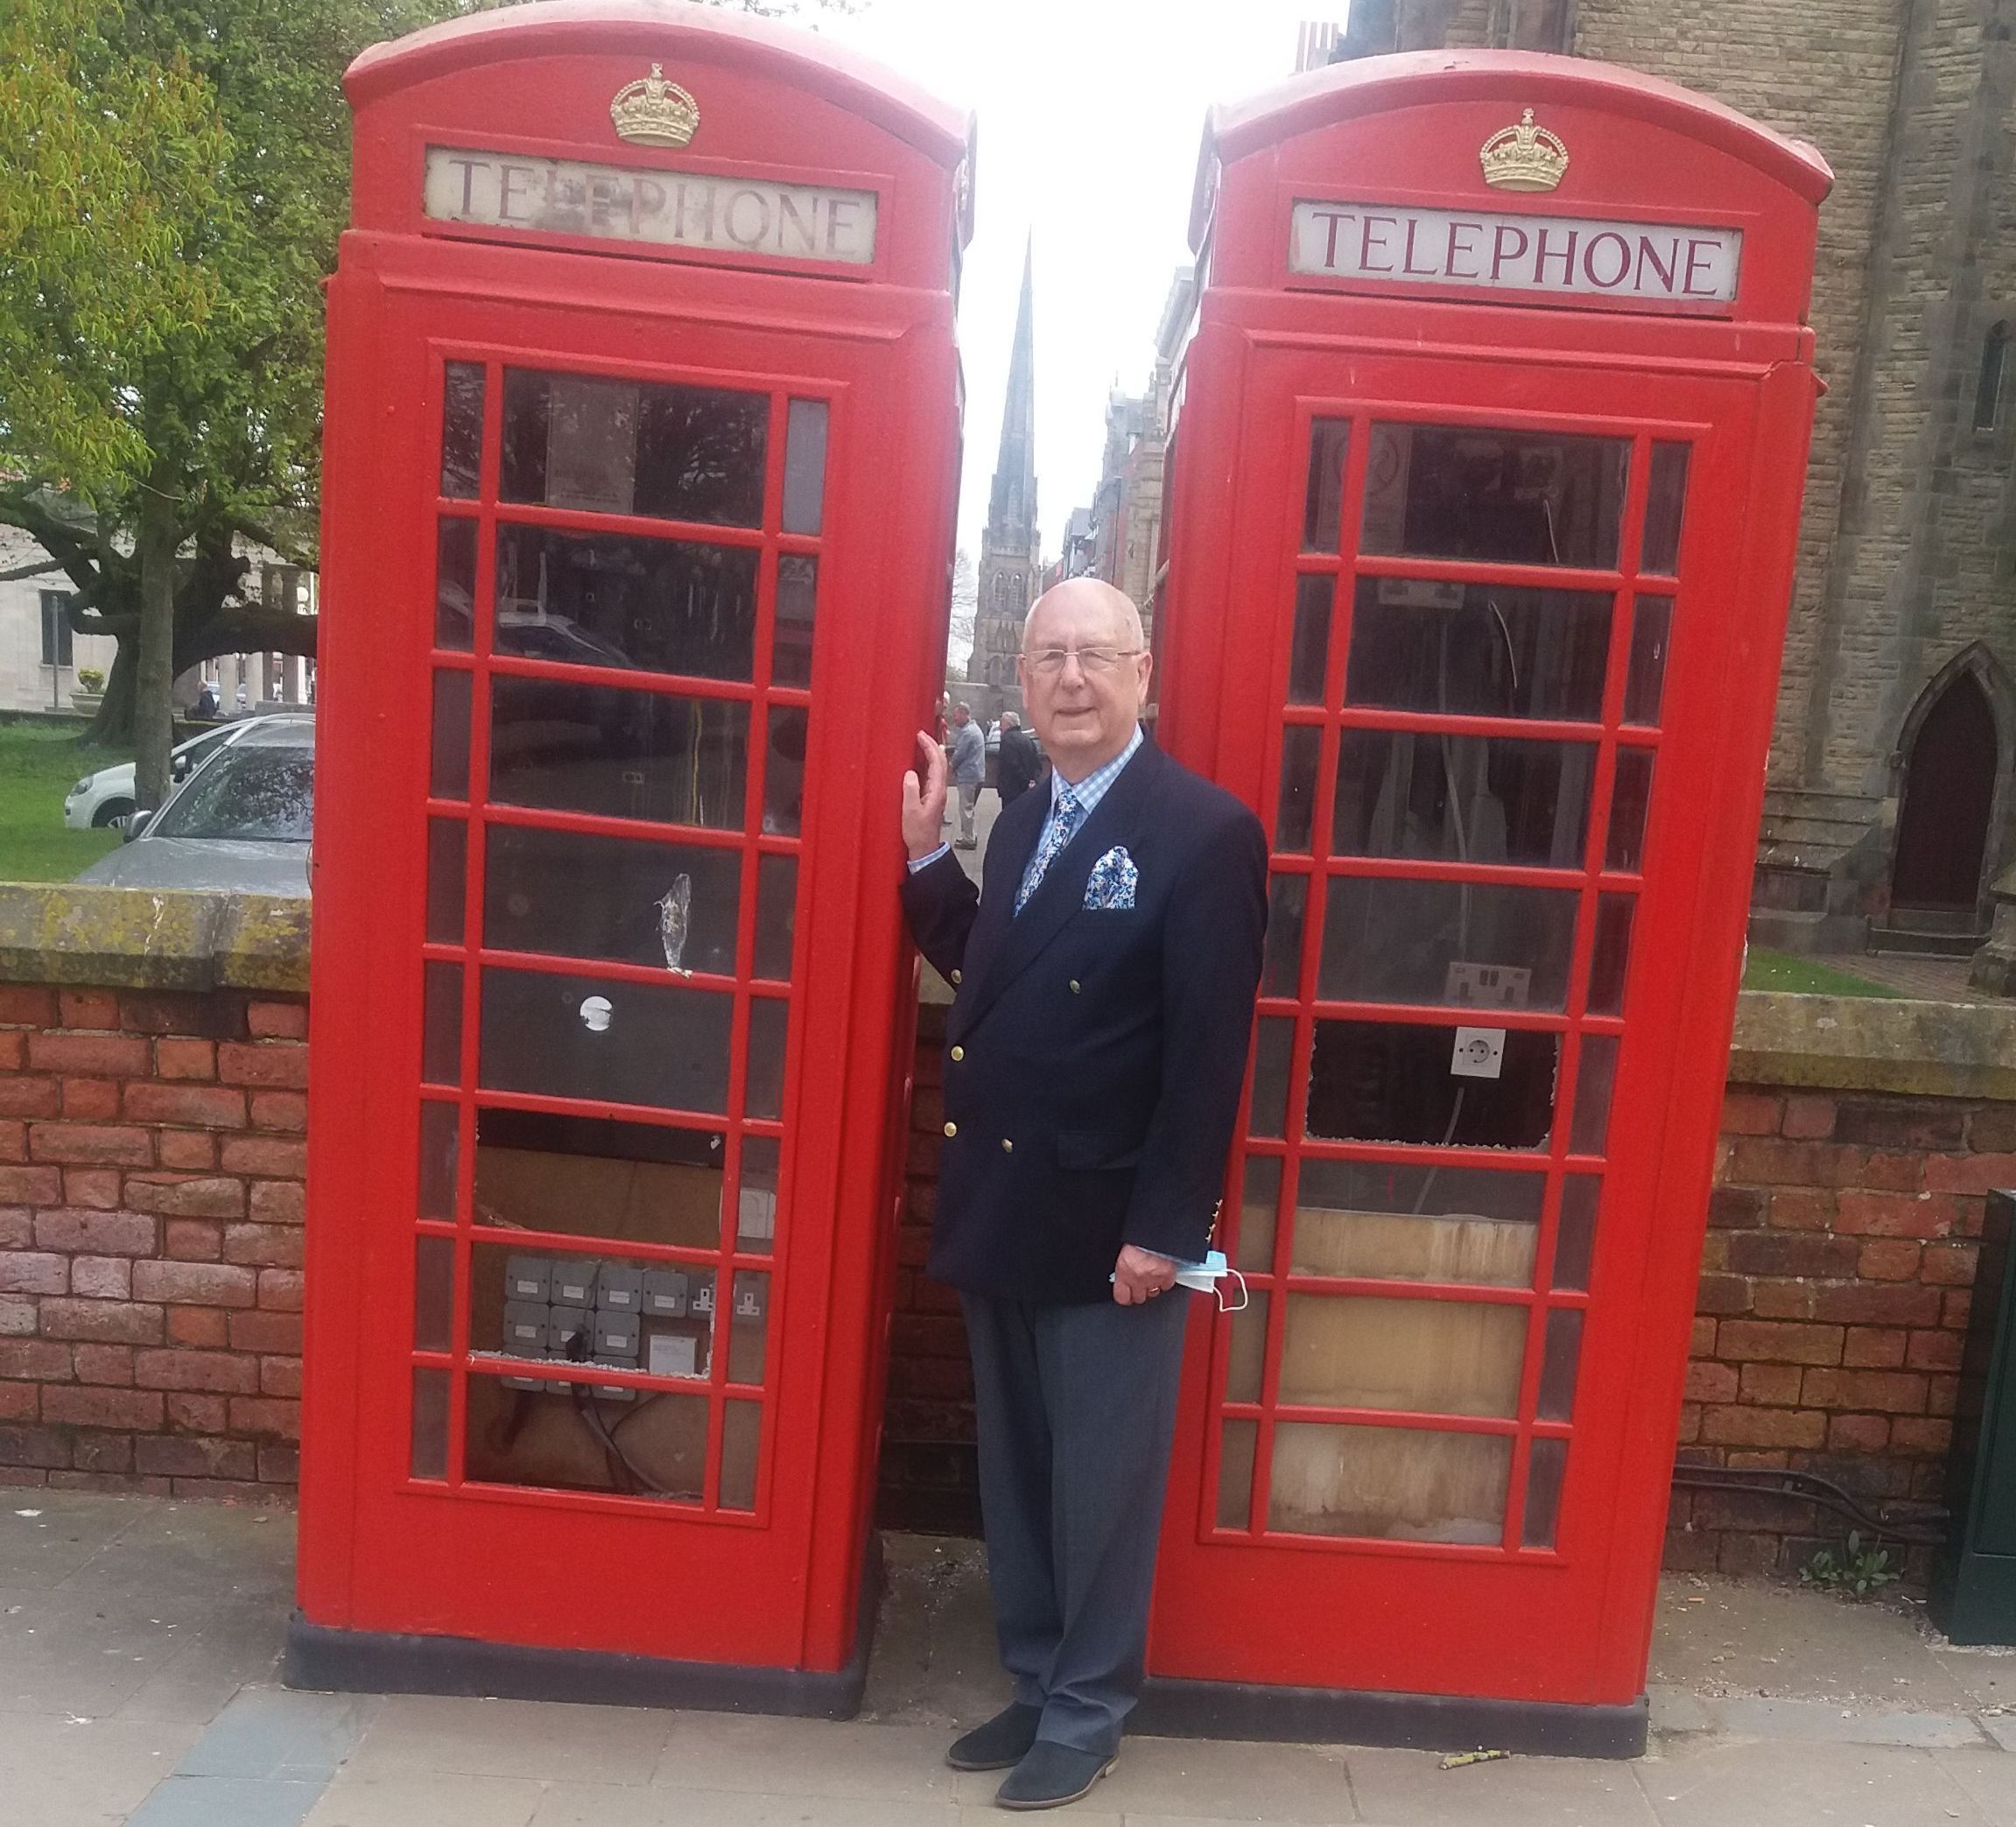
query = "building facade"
{"x": 1010, "y": 563}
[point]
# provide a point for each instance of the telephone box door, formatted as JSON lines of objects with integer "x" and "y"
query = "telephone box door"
{"x": 1478, "y": 693}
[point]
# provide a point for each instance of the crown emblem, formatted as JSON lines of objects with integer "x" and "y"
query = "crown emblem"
{"x": 1523, "y": 157}
{"x": 654, "y": 111}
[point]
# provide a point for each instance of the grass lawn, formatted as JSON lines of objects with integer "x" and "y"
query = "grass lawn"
{"x": 1805, "y": 977}
{"x": 38, "y": 764}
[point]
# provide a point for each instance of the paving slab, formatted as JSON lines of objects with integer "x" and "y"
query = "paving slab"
{"x": 47, "y": 1536}
{"x": 274, "y": 1735}
{"x": 609, "y": 1805}
{"x": 1826, "y": 1722}
{"x": 1675, "y": 1710}
{"x": 1410, "y": 1789}
{"x": 1223, "y": 1781}
{"x": 69, "y": 1651}
{"x": 748, "y": 1754}
{"x": 427, "y": 1800}
{"x": 1988, "y": 1778}
{"x": 934, "y": 1659}
{"x": 1986, "y": 1674}
{"x": 53, "y": 1773}
{"x": 1715, "y": 1782}
{"x": 238, "y": 1646}
{"x": 227, "y": 1801}
{"x": 422, "y": 1734}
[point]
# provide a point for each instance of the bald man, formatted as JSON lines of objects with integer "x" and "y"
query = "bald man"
{"x": 1104, "y": 975}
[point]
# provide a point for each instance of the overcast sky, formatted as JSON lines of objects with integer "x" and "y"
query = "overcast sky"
{"x": 1090, "y": 116}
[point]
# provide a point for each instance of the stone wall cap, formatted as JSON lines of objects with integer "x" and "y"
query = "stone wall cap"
{"x": 1949, "y": 1049}
{"x": 146, "y": 938}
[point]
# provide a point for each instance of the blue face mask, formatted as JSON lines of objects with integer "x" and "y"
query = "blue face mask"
{"x": 1208, "y": 1277}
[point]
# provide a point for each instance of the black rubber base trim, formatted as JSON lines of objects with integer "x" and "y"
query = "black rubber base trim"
{"x": 1172, "y": 1708}
{"x": 363, "y": 1662}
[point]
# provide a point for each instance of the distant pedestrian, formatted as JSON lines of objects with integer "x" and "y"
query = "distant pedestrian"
{"x": 969, "y": 766}
{"x": 206, "y": 702}
{"x": 242, "y": 704}
{"x": 1018, "y": 765}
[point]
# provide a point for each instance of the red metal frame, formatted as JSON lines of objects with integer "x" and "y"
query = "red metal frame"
{"x": 1272, "y": 354}
{"x": 384, "y": 1550}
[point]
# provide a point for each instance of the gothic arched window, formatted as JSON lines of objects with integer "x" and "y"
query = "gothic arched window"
{"x": 1988, "y": 392}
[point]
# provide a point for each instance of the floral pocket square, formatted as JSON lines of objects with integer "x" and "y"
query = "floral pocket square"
{"x": 1110, "y": 887}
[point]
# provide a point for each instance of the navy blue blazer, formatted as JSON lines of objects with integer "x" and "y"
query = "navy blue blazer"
{"x": 1094, "y": 1054}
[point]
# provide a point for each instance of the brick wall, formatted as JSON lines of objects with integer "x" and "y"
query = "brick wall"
{"x": 151, "y": 1167}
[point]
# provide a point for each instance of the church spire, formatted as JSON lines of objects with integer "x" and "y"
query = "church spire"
{"x": 1011, "y": 511}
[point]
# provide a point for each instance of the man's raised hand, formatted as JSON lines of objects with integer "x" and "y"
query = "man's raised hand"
{"x": 924, "y": 800}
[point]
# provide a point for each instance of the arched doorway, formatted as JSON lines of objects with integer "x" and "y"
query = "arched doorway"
{"x": 1949, "y": 793}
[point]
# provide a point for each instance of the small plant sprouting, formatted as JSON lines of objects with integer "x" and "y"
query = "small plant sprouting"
{"x": 1856, "y": 1569}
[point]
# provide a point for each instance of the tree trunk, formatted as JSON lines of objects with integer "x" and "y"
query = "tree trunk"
{"x": 153, "y": 670}
{"x": 112, "y": 726}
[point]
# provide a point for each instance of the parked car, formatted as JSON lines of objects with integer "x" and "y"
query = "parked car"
{"x": 105, "y": 797}
{"x": 240, "y": 821}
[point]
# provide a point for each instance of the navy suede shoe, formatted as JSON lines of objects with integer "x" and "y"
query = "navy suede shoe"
{"x": 1052, "y": 1774}
{"x": 999, "y": 1745}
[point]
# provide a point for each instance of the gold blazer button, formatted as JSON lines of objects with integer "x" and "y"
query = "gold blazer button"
{"x": 952, "y": 1128}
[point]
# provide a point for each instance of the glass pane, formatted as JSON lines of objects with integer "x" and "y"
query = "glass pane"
{"x": 769, "y": 1020}
{"x": 1301, "y": 750}
{"x": 1247, "y": 1350}
{"x": 748, "y": 1323}
{"x": 1235, "y": 1474}
{"x": 433, "y": 1294}
{"x": 1479, "y": 799}
{"x": 633, "y": 447}
{"x": 784, "y": 774}
{"x": 756, "y": 1205}
{"x": 1557, "y": 1366}
{"x": 441, "y": 1023}
{"x": 1611, "y": 958}
{"x": 1380, "y": 1081}
{"x": 594, "y": 1177}
{"x": 660, "y": 1045}
{"x": 623, "y": 755}
{"x": 1280, "y": 974}
{"x": 1474, "y": 944}
{"x": 448, "y": 871}
{"x": 613, "y": 599}
{"x": 1270, "y": 1075}
{"x": 797, "y": 598}
{"x": 449, "y": 778}
{"x": 804, "y": 466}
{"x": 1593, "y": 1081}
{"x": 1547, "y": 1461}
{"x": 741, "y": 1441}
{"x": 1629, "y": 800}
{"x": 653, "y": 1318}
{"x": 520, "y": 1431}
{"x": 462, "y": 429}
{"x": 439, "y": 1147}
{"x": 1575, "y": 1243}
{"x": 1259, "y": 1204}
{"x": 1516, "y": 497}
{"x": 576, "y": 895}
{"x": 1437, "y": 1357}
{"x": 1665, "y": 503}
{"x": 430, "y": 1455}
{"x": 776, "y": 914}
{"x": 455, "y": 584}
{"x": 1389, "y": 1483}
{"x": 1308, "y": 657}
{"x": 1323, "y": 515}
{"x": 1478, "y": 650}
{"x": 1374, "y": 1220}
{"x": 1651, "y": 630}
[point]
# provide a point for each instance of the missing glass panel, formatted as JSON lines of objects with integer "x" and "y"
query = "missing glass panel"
{"x": 1380, "y": 1081}
{"x": 756, "y": 1205}
{"x": 770, "y": 1020}
{"x": 651, "y": 1444}
{"x": 1546, "y": 1466}
{"x": 784, "y": 774}
{"x": 430, "y": 1446}
{"x": 777, "y": 915}
{"x": 1477, "y": 944}
{"x": 1280, "y": 974}
{"x": 433, "y": 1294}
{"x": 1610, "y": 962}
{"x": 804, "y": 466}
{"x": 1557, "y": 1365}
{"x": 447, "y": 870}
{"x": 1270, "y": 1075}
{"x": 1323, "y": 515}
{"x": 1389, "y": 1483}
{"x": 797, "y": 599}
{"x": 462, "y": 429}
{"x": 1294, "y": 819}
{"x": 449, "y": 776}
{"x": 1235, "y": 1474}
{"x": 594, "y": 1177}
{"x": 1664, "y": 507}
{"x": 1478, "y": 650}
{"x": 440, "y": 1124}
{"x": 1308, "y": 655}
{"x": 1593, "y": 1081}
{"x": 1512, "y": 497}
{"x": 1479, "y": 799}
{"x": 563, "y": 1036}
{"x": 1575, "y": 1243}
{"x": 1651, "y": 630}
{"x": 441, "y": 1023}
{"x": 1253, "y": 1253}
{"x": 534, "y": 1307}
{"x": 1374, "y": 1220}
{"x": 1630, "y": 800}
{"x": 455, "y": 584}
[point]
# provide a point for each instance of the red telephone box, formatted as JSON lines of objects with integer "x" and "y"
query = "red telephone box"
{"x": 642, "y": 436}
{"x": 1487, "y": 484}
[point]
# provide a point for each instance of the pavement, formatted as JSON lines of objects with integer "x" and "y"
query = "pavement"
{"x": 140, "y": 1643}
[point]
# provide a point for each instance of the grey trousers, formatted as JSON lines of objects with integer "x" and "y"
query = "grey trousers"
{"x": 1075, "y": 1408}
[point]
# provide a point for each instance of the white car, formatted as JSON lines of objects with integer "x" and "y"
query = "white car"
{"x": 103, "y": 798}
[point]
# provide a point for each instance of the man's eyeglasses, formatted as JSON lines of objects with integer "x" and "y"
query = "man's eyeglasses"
{"x": 1050, "y": 660}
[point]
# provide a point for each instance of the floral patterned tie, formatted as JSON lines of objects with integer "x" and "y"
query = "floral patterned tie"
{"x": 1062, "y": 825}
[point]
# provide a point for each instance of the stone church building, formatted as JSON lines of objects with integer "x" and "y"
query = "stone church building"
{"x": 1890, "y": 809}
{"x": 1009, "y": 560}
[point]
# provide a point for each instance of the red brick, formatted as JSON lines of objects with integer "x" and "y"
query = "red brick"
{"x": 278, "y": 1021}
{"x": 1750, "y": 1113}
{"x": 31, "y": 1186}
{"x": 1873, "y": 1348}
{"x": 201, "y": 1285}
{"x": 1993, "y": 1129}
{"x": 93, "y": 1056}
{"x": 181, "y": 1456}
{"x": 111, "y": 1364}
{"x": 203, "y": 1327}
{"x": 1942, "y": 1396}
{"x": 273, "y": 1066}
{"x": 20, "y": 1401}
{"x": 114, "y": 1322}
{"x": 282, "y": 1110}
{"x": 91, "y": 1101}
{"x": 279, "y": 1202}
{"x": 33, "y": 1446}
{"x": 1709, "y": 1381}
{"x": 1701, "y": 1344}
{"x": 30, "y": 1097}
{"x": 1891, "y": 1214}
{"x": 212, "y": 1196}
{"x": 102, "y": 1278}
{"x": 266, "y": 1157}
{"x": 191, "y": 1150}
{"x": 1872, "y": 1303}
{"x": 197, "y": 1106}
{"x": 1918, "y": 1124}
{"x": 266, "y": 1332}
{"x": 264, "y": 1246}
{"x": 280, "y": 1376}
{"x": 1809, "y": 1117}
{"x": 1956, "y": 1309}
{"x": 219, "y": 1015}
{"x": 220, "y": 1373}
{"x": 190, "y": 1412}
{"x": 87, "y": 1009}
{"x": 1735, "y": 1208}
{"x": 280, "y": 1290}
{"x": 1763, "y": 1427}
{"x": 1935, "y": 1350}
{"x": 34, "y": 1360}
{"x": 1921, "y": 1434}
{"x": 105, "y": 1453}
{"x": 1889, "y": 1392}
{"x": 1774, "y": 1342}
{"x": 66, "y": 1405}
{"x": 16, "y": 1228}
{"x": 33, "y": 1272}
{"x": 27, "y": 1005}
{"x": 1857, "y": 1433}
{"x": 1796, "y": 1253}
{"x": 97, "y": 1233}
{"x": 265, "y": 1416}
{"x": 1950, "y": 1265}
{"x": 89, "y": 1143}
{"x": 97, "y": 1187}
{"x": 13, "y": 1141}
{"x": 279, "y": 1463}
{"x": 1775, "y": 1385}
{"x": 192, "y": 1240}
{"x": 185, "y": 1059}
{"x": 1889, "y": 1259}
{"x": 1969, "y": 1173}
{"x": 1716, "y": 1294}
{"x": 1781, "y": 1300}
